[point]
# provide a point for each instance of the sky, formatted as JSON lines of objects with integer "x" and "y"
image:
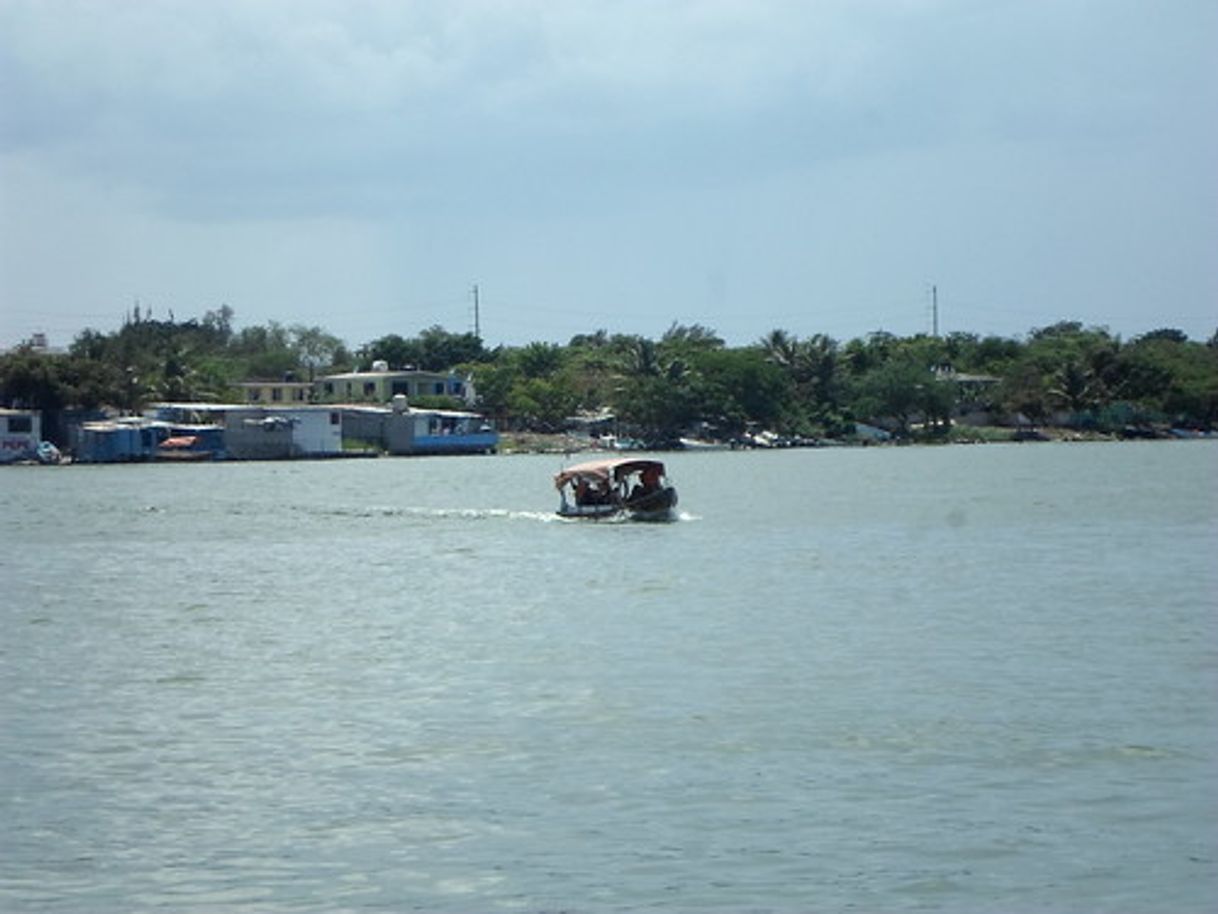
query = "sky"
{"x": 815, "y": 166}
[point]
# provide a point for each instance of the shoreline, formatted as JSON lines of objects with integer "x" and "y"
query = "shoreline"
{"x": 563, "y": 443}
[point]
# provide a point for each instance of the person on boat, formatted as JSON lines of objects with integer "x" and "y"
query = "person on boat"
{"x": 583, "y": 492}
{"x": 649, "y": 481}
{"x": 589, "y": 493}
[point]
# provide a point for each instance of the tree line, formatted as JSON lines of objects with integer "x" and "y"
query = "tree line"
{"x": 689, "y": 378}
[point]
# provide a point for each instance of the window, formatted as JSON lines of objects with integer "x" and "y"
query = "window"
{"x": 438, "y": 388}
{"x": 20, "y": 424}
{"x": 328, "y": 388}
{"x": 277, "y": 394}
{"x": 335, "y": 419}
{"x": 255, "y": 394}
{"x": 369, "y": 388}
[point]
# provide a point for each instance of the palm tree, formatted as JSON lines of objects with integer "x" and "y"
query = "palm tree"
{"x": 816, "y": 367}
{"x": 642, "y": 357}
{"x": 781, "y": 348}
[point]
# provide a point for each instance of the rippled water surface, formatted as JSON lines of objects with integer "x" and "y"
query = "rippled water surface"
{"x": 963, "y": 679}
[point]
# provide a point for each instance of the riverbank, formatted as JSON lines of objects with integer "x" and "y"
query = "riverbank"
{"x": 561, "y": 443}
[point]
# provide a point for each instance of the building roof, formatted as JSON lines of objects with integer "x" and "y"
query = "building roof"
{"x": 613, "y": 468}
{"x": 275, "y": 383}
{"x": 369, "y": 375}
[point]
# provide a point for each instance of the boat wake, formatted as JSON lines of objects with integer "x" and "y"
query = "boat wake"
{"x": 677, "y": 517}
{"x": 386, "y": 511}
{"x": 488, "y": 514}
{"x": 446, "y": 513}
{"x": 544, "y": 517}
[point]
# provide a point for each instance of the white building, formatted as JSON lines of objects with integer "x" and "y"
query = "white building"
{"x": 20, "y": 434}
{"x": 266, "y": 432}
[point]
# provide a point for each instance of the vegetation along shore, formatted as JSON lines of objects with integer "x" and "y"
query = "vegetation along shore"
{"x": 1063, "y": 381}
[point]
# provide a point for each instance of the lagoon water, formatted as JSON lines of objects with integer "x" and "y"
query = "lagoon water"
{"x": 943, "y": 679}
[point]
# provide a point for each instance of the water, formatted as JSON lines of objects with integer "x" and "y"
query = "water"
{"x": 958, "y": 679}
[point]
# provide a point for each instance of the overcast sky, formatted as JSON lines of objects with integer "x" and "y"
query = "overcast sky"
{"x": 747, "y": 165}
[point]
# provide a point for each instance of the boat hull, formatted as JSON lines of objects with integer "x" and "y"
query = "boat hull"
{"x": 654, "y": 507}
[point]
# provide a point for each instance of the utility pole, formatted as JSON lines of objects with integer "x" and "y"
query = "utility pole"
{"x": 934, "y": 311}
{"x": 477, "y": 322}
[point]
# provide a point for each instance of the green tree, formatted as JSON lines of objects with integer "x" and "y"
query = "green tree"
{"x": 1080, "y": 367}
{"x": 31, "y": 380}
{"x": 781, "y": 348}
{"x": 683, "y": 342}
{"x": 653, "y": 407}
{"x": 540, "y": 360}
{"x": 543, "y": 403}
{"x": 494, "y": 382}
{"x": 1166, "y": 334}
{"x": 904, "y": 388}
{"x": 266, "y": 351}
{"x": 392, "y": 349}
{"x": 315, "y": 349}
{"x": 1024, "y": 391}
{"x": 219, "y": 323}
{"x": 742, "y": 386}
{"x": 814, "y": 367}
{"x": 1173, "y": 378}
{"x": 435, "y": 349}
{"x": 440, "y": 350}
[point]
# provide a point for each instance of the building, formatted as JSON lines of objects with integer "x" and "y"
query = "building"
{"x": 134, "y": 439}
{"x": 973, "y": 394}
{"x": 276, "y": 393}
{"x": 265, "y": 432}
{"x": 438, "y": 431}
{"x": 124, "y": 440}
{"x": 380, "y": 386}
{"x": 20, "y": 434}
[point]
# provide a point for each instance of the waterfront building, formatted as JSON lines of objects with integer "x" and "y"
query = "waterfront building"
{"x": 20, "y": 434}
{"x": 438, "y": 431}
{"x": 265, "y": 432}
{"x": 132, "y": 439}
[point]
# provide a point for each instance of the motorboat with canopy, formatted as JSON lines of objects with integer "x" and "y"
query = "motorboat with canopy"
{"x": 621, "y": 488}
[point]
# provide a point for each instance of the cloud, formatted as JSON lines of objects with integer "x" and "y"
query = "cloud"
{"x": 745, "y": 147}
{"x": 275, "y": 99}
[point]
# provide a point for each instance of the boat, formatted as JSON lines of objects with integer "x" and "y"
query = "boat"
{"x": 184, "y": 447}
{"x": 702, "y": 444}
{"x": 616, "y": 489}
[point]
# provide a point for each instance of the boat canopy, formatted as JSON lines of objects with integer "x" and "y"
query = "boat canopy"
{"x": 607, "y": 470}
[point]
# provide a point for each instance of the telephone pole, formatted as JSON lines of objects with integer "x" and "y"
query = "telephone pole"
{"x": 477, "y": 322}
{"x": 934, "y": 311}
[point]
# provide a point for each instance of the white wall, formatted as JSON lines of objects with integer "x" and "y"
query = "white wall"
{"x": 314, "y": 433}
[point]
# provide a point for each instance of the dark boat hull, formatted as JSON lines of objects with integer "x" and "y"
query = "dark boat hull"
{"x": 657, "y": 506}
